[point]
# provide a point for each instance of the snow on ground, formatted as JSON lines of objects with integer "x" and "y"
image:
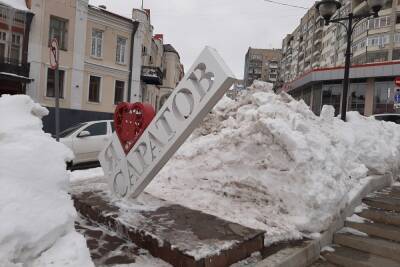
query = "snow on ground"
{"x": 267, "y": 161}
{"x": 37, "y": 214}
{"x": 357, "y": 219}
{"x": 80, "y": 175}
{"x": 349, "y": 230}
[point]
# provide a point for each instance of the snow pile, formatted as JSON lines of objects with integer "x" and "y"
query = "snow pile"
{"x": 37, "y": 214}
{"x": 268, "y": 162}
{"x": 17, "y": 4}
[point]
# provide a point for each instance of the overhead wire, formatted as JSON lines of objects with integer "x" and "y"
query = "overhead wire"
{"x": 285, "y": 4}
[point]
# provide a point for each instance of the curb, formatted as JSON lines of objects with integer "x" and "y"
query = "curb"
{"x": 309, "y": 253}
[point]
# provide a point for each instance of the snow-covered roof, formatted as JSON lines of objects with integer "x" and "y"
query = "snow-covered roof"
{"x": 17, "y": 4}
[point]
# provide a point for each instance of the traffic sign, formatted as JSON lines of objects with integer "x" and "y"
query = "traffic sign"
{"x": 54, "y": 53}
{"x": 397, "y": 98}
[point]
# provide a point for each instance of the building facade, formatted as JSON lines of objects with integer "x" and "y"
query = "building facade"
{"x": 313, "y": 55}
{"x": 15, "y": 22}
{"x": 105, "y": 59}
{"x": 261, "y": 64}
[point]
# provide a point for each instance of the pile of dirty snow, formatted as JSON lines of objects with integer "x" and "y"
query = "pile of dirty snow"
{"x": 37, "y": 214}
{"x": 267, "y": 161}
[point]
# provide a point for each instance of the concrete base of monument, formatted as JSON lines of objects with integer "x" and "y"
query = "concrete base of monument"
{"x": 173, "y": 233}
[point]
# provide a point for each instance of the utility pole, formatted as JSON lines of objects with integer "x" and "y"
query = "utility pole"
{"x": 142, "y": 5}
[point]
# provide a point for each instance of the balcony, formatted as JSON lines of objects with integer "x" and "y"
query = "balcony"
{"x": 14, "y": 66}
{"x": 152, "y": 75}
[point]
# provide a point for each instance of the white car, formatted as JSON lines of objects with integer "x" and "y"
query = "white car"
{"x": 87, "y": 139}
{"x": 393, "y": 117}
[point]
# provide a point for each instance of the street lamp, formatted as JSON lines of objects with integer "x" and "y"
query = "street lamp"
{"x": 326, "y": 9}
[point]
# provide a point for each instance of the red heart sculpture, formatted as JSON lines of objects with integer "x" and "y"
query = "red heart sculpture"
{"x": 130, "y": 121}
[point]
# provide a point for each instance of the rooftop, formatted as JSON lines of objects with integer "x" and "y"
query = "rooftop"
{"x": 17, "y": 4}
{"x": 170, "y": 48}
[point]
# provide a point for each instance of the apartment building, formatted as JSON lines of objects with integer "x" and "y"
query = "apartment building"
{"x": 314, "y": 72}
{"x": 261, "y": 64}
{"x": 105, "y": 58}
{"x": 15, "y": 21}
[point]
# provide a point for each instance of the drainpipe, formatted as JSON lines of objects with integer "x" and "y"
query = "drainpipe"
{"x": 135, "y": 27}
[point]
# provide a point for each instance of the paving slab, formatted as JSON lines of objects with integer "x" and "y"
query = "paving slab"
{"x": 323, "y": 263}
{"x": 108, "y": 249}
{"x": 176, "y": 234}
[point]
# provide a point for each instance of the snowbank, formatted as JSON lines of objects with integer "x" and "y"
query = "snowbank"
{"x": 267, "y": 162}
{"x": 17, "y": 4}
{"x": 37, "y": 214}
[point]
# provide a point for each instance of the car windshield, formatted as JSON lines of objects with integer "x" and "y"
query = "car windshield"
{"x": 70, "y": 130}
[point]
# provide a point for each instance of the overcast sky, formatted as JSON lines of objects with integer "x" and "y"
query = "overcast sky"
{"x": 230, "y": 26}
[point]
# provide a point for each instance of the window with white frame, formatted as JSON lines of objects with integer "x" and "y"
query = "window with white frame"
{"x": 59, "y": 29}
{"x": 121, "y": 48}
{"x": 379, "y": 40}
{"x": 396, "y": 38}
{"x": 97, "y": 43}
{"x": 51, "y": 81}
{"x": 94, "y": 89}
{"x": 16, "y": 48}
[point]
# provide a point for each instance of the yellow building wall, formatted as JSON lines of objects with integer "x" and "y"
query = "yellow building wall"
{"x": 64, "y": 9}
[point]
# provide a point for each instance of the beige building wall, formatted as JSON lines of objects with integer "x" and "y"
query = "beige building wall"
{"x": 106, "y": 67}
{"x": 64, "y": 9}
{"x": 79, "y": 64}
{"x": 173, "y": 73}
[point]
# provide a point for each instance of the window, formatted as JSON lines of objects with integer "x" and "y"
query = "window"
{"x": 16, "y": 46}
{"x": 119, "y": 92}
{"x": 121, "y": 48}
{"x": 50, "y": 92}
{"x": 378, "y": 40}
{"x": 357, "y": 97}
{"x": 3, "y": 40}
{"x": 3, "y": 13}
{"x": 97, "y": 129}
{"x": 19, "y": 18}
{"x": 71, "y": 130}
{"x": 58, "y": 30}
{"x": 384, "y": 97}
{"x": 331, "y": 96}
{"x": 94, "y": 89}
{"x": 97, "y": 42}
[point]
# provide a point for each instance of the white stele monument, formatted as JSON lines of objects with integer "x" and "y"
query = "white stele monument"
{"x": 194, "y": 97}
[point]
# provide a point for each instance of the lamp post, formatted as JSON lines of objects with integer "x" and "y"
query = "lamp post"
{"x": 326, "y": 9}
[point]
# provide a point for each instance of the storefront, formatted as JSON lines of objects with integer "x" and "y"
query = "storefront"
{"x": 372, "y": 88}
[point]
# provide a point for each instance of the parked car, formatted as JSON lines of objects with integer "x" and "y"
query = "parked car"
{"x": 393, "y": 117}
{"x": 87, "y": 139}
